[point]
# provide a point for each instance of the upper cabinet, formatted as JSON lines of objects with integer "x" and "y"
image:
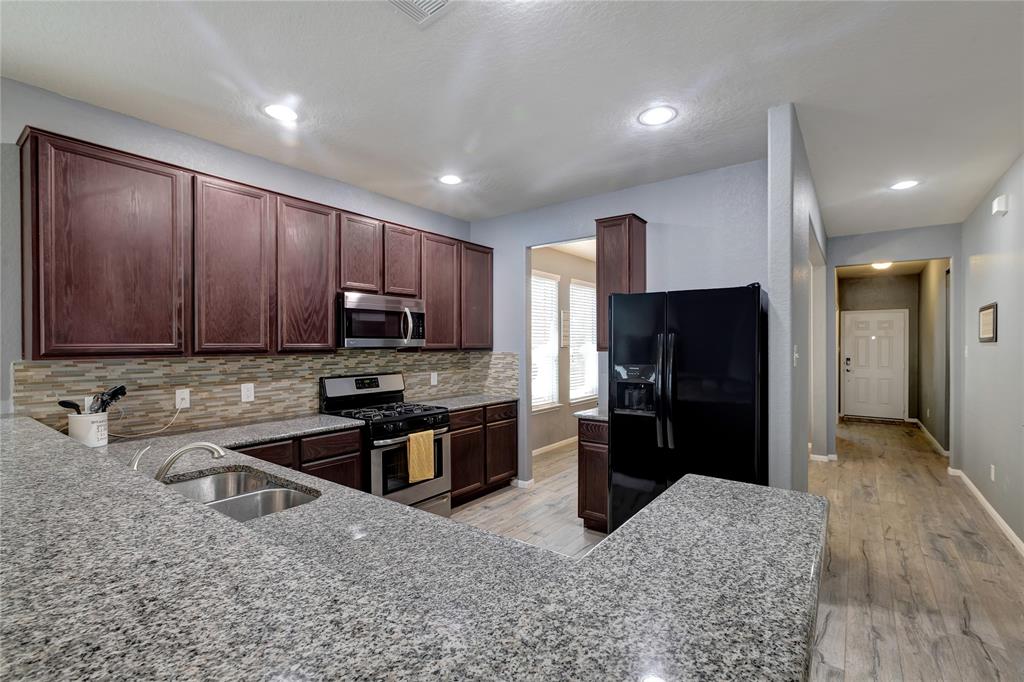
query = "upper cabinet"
{"x": 476, "y": 295}
{"x": 359, "y": 260}
{"x": 401, "y": 261}
{"x": 234, "y": 267}
{"x": 108, "y": 239}
{"x": 306, "y": 275}
{"x": 440, "y": 289}
{"x": 621, "y": 264}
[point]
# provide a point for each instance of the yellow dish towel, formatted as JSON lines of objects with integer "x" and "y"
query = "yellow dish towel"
{"x": 421, "y": 456}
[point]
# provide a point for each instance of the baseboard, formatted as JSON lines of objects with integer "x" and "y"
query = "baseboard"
{"x": 833, "y": 456}
{"x": 556, "y": 446}
{"x": 516, "y": 483}
{"x": 931, "y": 439}
{"x": 1003, "y": 526}
{"x": 820, "y": 458}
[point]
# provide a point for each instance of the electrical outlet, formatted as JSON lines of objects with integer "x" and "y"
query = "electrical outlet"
{"x": 433, "y": 378}
{"x": 992, "y": 472}
{"x": 248, "y": 393}
{"x": 183, "y": 398}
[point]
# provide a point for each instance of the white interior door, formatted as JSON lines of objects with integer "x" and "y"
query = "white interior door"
{"x": 874, "y": 363}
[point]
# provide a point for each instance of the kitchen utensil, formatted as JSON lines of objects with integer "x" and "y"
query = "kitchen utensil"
{"x": 70, "y": 405}
{"x": 102, "y": 401}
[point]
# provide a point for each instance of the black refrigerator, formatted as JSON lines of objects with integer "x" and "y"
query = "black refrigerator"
{"x": 687, "y": 391}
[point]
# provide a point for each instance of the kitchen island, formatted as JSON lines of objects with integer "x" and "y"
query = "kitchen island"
{"x": 110, "y": 574}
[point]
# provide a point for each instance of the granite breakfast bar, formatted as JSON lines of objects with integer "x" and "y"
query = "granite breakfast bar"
{"x": 107, "y": 573}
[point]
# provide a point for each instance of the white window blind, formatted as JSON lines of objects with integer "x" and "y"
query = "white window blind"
{"x": 543, "y": 339}
{"x": 582, "y": 340}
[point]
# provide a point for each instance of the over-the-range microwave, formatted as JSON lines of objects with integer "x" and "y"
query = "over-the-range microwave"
{"x": 371, "y": 321}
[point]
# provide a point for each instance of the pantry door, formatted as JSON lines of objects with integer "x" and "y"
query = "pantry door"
{"x": 873, "y": 363}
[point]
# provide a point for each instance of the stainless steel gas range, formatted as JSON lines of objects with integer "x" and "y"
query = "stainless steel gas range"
{"x": 379, "y": 400}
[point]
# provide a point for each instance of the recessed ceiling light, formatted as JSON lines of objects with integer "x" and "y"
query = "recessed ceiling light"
{"x": 281, "y": 113}
{"x": 657, "y": 116}
{"x": 905, "y": 184}
{"x": 449, "y": 179}
{"x": 882, "y": 266}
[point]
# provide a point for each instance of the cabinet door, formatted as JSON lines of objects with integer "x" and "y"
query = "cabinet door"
{"x": 111, "y": 238}
{"x": 468, "y": 474}
{"x": 502, "y": 450}
{"x": 477, "y": 292}
{"x": 621, "y": 264}
{"x": 593, "y": 485}
{"x": 306, "y": 276}
{"x": 440, "y": 290}
{"x": 345, "y": 470}
{"x": 401, "y": 261}
{"x": 234, "y": 260}
{"x": 359, "y": 256}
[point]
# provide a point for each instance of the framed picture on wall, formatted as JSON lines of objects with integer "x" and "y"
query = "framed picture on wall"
{"x": 988, "y": 319}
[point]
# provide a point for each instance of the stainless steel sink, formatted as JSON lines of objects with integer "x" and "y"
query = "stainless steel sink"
{"x": 260, "y": 503}
{"x": 221, "y": 486}
{"x": 242, "y": 495}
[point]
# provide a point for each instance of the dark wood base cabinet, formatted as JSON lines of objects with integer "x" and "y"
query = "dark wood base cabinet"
{"x": 335, "y": 457}
{"x": 485, "y": 450}
{"x": 593, "y": 474}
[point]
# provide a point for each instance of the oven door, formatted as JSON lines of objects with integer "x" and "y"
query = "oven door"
{"x": 370, "y": 321}
{"x": 389, "y": 470}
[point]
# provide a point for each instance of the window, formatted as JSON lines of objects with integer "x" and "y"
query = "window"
{"x": 582, "y": 340}
{"x": 543, "y": 339}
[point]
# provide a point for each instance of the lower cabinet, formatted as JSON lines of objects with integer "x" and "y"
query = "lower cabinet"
{"x": 485, "y": 450}
{"x": 593, "y": 474}
{"x": 335, "y": 457}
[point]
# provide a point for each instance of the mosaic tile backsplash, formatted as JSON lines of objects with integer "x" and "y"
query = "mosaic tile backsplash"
{"x": 286, "y": 385}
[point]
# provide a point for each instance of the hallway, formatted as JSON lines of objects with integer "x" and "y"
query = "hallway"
{"x": 918, "y": 582}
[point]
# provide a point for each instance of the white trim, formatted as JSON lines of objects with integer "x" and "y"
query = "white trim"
{"x": 556, "y": 446}
{"x": 820, "y": 458}
{"x": 516, "y": 483}
{"x": 931, "y": 439}
{"x": 906, "y": 357}
{"x": 1003, "y": 526}
{"x": 833, "y": 457}
{"x": 546, "y": 407}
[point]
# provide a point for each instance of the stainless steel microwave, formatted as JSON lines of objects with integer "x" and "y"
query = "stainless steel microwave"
{"x": 371, "y": 321}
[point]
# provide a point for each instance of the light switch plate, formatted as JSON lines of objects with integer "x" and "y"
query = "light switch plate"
{"x": 433, "y": 378}
{"x": 248, "y": 393}
{"x": 183, "y": 398}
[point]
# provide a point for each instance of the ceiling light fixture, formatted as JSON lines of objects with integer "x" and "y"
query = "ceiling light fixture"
{"x": 280, "y": 112}
{"x": 905, "y": 184}
{"x": 657, "y": 116}
{"x": 882, "y": 266}
{"x": 449, "y": 179}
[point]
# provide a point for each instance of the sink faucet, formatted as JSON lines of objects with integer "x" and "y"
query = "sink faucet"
{"x": 215, "y": 450}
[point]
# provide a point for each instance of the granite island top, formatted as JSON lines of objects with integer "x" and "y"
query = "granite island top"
{"x": 594, "y": 414}
{"x": 108, "y": 574}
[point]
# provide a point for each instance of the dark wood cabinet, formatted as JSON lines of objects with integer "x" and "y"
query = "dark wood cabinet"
{"x": 281, "y": 453}
{"x": 502, "y": 450}
{"x": 468, "y": 473}
{"x": 621, "y": 264}
{"x": 360, "y": 242}
{"x": 401, "y": 260}
{"x": 107, "y": 261}
{"x": 440, "y": 290}
{"x": 234, "y": 267}
{"x": 593, "y": 474}
{"x": 476, "y": 296}
{"x": 306, "y": 275}
{"x": 345, "y": 470}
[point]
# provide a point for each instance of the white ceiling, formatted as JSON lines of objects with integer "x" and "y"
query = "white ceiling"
{"x": 535, "y": 102}
{"x": 906, "y": 267}
{"x": 582, "y": 248}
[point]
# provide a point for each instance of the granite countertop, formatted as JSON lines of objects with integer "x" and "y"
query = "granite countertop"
{"x": 109, "y": 574}
{"x": 465, "y": 402}
{"x": 594, "y": 413}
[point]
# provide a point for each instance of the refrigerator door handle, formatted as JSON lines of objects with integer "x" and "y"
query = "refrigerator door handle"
{"x": 669, "y": 397}
{"x": 657, "y": 390}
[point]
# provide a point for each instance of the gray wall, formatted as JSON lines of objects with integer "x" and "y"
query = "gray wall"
{"x": 793, "y": 216}
{"x": 24, "y": 105}
{"x": 888, "y": 293}
{"x": 918, "y": 243}
{"x": 993, "y": 388}
{"x": 703, "y": 230}
{"x": 933, "y": 377}
{"x": 554, "y": 425}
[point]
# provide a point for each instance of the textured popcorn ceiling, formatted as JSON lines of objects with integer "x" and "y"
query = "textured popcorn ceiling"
{"x": 535, "y": 102}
